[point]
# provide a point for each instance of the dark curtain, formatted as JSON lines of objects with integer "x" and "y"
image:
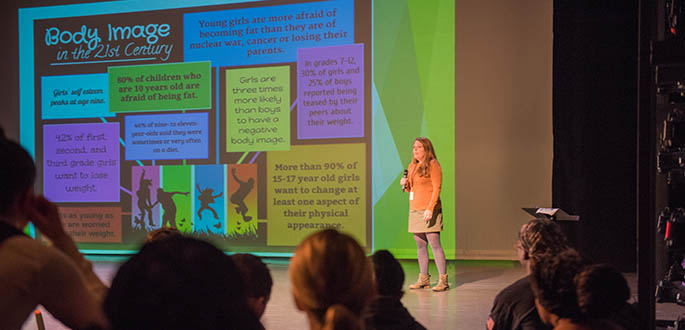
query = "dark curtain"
{"x": 594, "y": 126}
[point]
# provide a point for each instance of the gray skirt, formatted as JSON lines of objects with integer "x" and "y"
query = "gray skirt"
{"x": 418, "y": 225}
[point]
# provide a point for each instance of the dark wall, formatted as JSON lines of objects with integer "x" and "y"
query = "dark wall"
{"x": 9, "y": 113}
{"x": 595, "y": 102}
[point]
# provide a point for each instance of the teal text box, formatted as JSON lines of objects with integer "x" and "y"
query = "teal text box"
{"x": 157, "y": 87}
{"x": 75, "y": 96}
{"x": 258, "y": 109}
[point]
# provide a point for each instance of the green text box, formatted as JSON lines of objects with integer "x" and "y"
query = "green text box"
{"x": 311, "y": 188}
{"x": 258, "y": 109}
{"x": 156, "y": 87}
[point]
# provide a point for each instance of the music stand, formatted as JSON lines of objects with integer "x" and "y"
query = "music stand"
{"x": 550, "y": 213}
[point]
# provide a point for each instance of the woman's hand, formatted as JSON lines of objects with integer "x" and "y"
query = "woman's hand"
{"x": 45, "y": 217}
{"x": 427, "y": 215}
{"x": 491, "y": 323}
{"x": 403, "y": 181}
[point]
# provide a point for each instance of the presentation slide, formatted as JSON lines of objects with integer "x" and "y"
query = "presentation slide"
{"x": 250, "y": 124}
{"x": 241, "y": 123}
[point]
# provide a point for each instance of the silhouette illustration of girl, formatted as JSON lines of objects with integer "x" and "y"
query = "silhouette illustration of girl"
{"x": 238, "y": 197}
{"x": 144, "y": 204}
{"x": 166, "y": 200}
{"x": 206, "y": 198}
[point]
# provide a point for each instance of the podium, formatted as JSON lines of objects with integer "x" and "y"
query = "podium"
{"x": 550, "y": 213}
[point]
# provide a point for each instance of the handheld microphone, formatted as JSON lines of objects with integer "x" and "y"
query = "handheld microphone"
{"x": 404, "y": 186}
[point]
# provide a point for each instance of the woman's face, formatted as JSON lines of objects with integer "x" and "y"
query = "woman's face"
{"x": 419, "y": 152}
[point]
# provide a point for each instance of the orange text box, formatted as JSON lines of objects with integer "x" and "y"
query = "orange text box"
{"x": 92, "y": 224}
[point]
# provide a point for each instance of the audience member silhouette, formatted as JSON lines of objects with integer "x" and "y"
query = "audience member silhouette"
{"x": 331, "y": 281}
{"x": 514, "y": 306}
{"x": 257, "y": 279}
{"x": 386, "y": 311}
{"x": 144, "y": 203}
{"x": 238, "y": 197}
{"x": 167, "y": 201}
{"x": 603, "y": 293}
{"x": 179, "y": 283}
{"x": 162, "y": 233}
{"x": 31, "y": 273}
{"x": 207, "y": 198}
{"x": 570, "y": 295}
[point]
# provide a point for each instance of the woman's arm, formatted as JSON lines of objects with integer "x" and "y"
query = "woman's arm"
{"x": 406, "y": 182}
{"x": 73, "y": 296}
{"x": 436, "y": 181}
{"x": 67, "y": 285}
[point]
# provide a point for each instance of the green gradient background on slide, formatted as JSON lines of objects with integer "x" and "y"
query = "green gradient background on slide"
{"x": 413, "y": 95}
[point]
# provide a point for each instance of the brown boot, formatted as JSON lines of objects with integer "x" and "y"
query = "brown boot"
{"x": 424, "y": 281}
{"x": 443, "y": 284}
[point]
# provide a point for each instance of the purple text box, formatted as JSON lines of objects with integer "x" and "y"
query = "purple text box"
{"x": 330, "y": 92}
{"x": 81, "y": 162}
{"x": 171, "y": 136}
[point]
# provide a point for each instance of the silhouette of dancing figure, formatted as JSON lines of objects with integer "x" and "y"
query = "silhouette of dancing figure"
{"x": 166, "y": 200}
{"x": 206, "y": 198}
{"x": 144, "y": 203}
{"x": 238, "y": 197}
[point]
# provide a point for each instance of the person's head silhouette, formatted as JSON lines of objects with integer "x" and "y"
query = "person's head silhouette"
{"x": 332, "y": 298}
{"x": 389, "y": 274}
{"x": 257, "y": 278}
{"x": 16, "y": 184}
{"x": 179, "y": 283}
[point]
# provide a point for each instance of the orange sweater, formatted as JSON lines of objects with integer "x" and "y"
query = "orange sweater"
{"x": 426, "y": 189}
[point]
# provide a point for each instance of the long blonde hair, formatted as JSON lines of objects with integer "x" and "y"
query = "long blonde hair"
{"x": 332, "y": 280}
{"x": 424, "y": 167}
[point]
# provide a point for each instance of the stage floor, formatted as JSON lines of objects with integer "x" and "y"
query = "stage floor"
{"x": 473, "y": 286}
